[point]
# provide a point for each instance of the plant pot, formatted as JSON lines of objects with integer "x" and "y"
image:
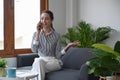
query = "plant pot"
{"x": 102, "y": 78}
{"x": 2, "y": 72}
{"x": 116, "y": 76}
{"x": 109, "y": 78}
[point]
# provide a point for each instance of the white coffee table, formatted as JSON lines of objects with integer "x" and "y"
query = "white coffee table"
{"x": 22, "y": 75}
{"x": 6, "y": 78}
{"x": 26, "y": 74}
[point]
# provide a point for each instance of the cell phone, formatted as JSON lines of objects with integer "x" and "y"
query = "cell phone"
{"x": 39, "y": 26}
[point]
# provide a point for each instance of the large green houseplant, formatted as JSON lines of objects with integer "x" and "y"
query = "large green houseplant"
{"x": 85, "y": 34}
{"x": 2, "y": 67}
{"x": 107, "y": 60}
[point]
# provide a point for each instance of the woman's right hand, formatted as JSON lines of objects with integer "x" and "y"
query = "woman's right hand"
{"x": 39, "y": 27}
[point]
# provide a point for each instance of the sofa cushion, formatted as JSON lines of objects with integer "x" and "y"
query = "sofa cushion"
{"x": 64, "y": 74}
{"x": 75, "y": 57}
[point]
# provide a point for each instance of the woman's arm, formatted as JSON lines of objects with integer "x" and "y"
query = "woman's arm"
{"x": 34, "y": 44}
{"x": 72, "y": 44}
{"x": 35, "y": 40}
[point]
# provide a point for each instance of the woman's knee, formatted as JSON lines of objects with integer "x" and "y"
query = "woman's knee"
{"x": 36, "y": 59}
{"x": 51, "y": 66}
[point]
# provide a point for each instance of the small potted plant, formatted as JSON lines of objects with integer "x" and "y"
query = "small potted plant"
{"x": 2, "y": 67}
{"x": 107, "y": 60}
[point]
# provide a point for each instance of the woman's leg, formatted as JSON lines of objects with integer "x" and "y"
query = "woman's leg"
{"x": 52, "y": 65}
{"x": 42, "y": 69}
{"x": 43, "y": 64}
{"x": 39, "y": 67}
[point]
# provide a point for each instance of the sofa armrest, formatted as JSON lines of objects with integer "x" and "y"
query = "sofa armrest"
{"x": 84, "y": 72}
{"x": 25, "y": 59}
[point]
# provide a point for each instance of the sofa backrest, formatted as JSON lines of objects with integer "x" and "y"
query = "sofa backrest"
{"x": 26, "y": 59}
{"x": 75, "y": 57}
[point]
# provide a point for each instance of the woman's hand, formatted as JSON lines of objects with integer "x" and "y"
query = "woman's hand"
{"x": 39, "y": 27}
{"x": 75, "y": 43}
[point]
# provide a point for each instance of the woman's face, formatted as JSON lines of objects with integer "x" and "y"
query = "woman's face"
{"x": 46, "y": 20}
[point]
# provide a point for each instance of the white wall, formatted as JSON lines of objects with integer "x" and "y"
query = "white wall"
{"x": 11, "y": 62}
{"x": 65, "y": 14}
{"x": 99, "y": 13}
{"x": 59, "y": 11}
{"x": 102, "y": 13}
{"x": 71, "y": 13}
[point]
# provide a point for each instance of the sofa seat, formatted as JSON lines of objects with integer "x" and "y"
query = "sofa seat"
{"x": 67, "y": 74}
{"x": 25, "y": 68}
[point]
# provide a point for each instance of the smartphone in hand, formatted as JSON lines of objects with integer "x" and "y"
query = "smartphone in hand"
{"x": 39, "y": 27}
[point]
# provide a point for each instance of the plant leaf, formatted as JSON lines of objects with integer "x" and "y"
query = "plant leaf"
{"x": 106, "y": 48}
{"x": 117, "y": 47}
{"x": 2, "y": 63}
{"x": 100, "y": 53}
{"x": 102, "y": 33}
{"x": 110, "y": 63}
{"x": 100, "y": 71}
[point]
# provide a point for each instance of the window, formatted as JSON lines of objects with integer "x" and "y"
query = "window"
{"x": 1, "y": 26}
{"x": 26, "y": 18}
{"x": 15, "y": 17}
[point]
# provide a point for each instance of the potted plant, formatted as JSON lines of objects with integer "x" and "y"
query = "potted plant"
{"x": 2, "y": 67}
{"x": 85, "y": 34}
{"x": 107, "y": 60}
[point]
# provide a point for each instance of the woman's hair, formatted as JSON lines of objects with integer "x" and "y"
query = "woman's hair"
{"x": 50, "y": 13}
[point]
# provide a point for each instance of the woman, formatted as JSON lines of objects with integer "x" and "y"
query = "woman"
{"x": 46, "y": 41}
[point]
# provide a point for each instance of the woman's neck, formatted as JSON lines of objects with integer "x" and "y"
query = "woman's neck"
{"x": 47, "y": 31}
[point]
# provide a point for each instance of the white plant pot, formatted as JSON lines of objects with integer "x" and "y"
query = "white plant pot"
{"x": 109, "y": 78}
{"x": 106, "y": 78}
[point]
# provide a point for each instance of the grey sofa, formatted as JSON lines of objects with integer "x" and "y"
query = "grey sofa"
{"x": 74, "y": 67}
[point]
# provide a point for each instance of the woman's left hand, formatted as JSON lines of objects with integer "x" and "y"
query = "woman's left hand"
{"x": 75, "y": 43}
